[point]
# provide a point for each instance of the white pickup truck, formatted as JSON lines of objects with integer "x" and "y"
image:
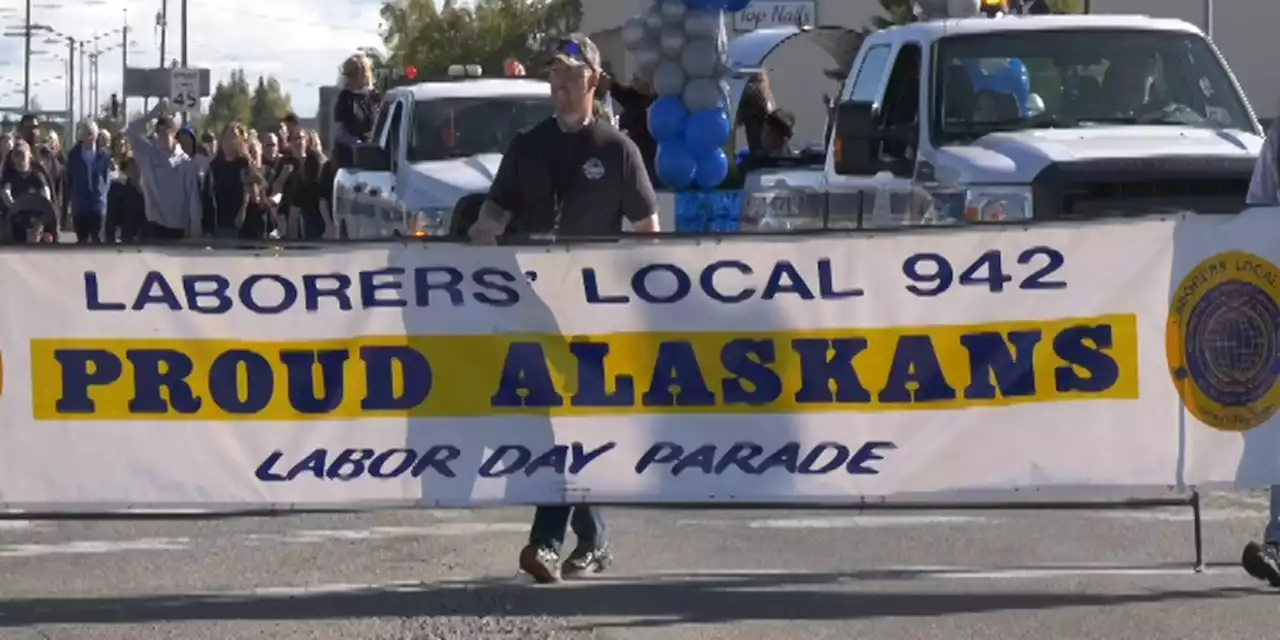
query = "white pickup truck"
{"x": 1019, "y": 117}
{"x": 434, "y": 144}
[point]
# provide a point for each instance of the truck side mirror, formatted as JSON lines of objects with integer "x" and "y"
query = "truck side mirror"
{"x": 371, "y": 157}
{"x": 858, "y": 140}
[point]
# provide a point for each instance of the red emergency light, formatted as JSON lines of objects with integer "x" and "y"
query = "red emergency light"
{"x": 993, "y": 7}
{"x": 411, "y": 73}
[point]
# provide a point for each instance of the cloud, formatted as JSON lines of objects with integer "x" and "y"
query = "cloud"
{"x": 300, "y": 42}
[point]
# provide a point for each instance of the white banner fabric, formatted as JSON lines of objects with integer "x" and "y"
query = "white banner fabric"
{"x": 789, "y": 370}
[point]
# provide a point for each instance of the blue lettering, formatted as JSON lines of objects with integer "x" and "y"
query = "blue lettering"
{"x": 496, "y": 465}
{"x": 677, "y": 379}
{"x": 373, "y": 282}
{"x": 216, "y": 292}
{"x": 593, "y": 379}
{"x": 288, "y": 297}
{"x": 640, "y": 284}
{"x": 707, "y": 281}
{"x": 155, "y": 290}
{"x": 526, "y": 379}
{"x": 300, "y": 368}
{"x": 827, "y": 284}
{"x": 225, "y": 378}
{"x": 591, "y": 287}
{"x": 989, "y": 358}
{"x": 748, "y": 360}
{"x": 785, "y": 278}
{"x": 423, "y": 285}
{"x": 915, "y": 366}
{"x": 158, "y": 373}
{"x": 496, "y": 285}
{"x": 823, "y": 362}
{"x": 1084, "y": 347}
{"x": 326, "y": 285}
{"x": 92, "y": 295}
{"x": 791, "y": 458}
{"x": 83, "y": 369}
{"x": 380, "y": 371}
{"x": 349, "y": 464}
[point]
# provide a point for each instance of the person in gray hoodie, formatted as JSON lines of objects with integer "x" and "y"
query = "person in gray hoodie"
{"x": 170, "y": 179}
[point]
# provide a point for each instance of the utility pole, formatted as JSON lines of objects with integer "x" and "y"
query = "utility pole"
{"x": 71, "y": 78}
{"x": 184, "y": 33}
{"x": 124, "y": 67}
{"x": 164, "y": 29}
{"x": 26, "y": 62}
{"x": 84, "y": 56}
{"x": 1208, "y": 18}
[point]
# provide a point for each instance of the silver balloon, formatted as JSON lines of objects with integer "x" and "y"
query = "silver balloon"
{"x": 672, "y": 42}
{"x": 673, "y": 11}
{"x": 668, "y": 79}
{"x": 701, "y": 25}
{"x": 704, "y": 93}
{"x": 647, "y": 57}
{"x": 653, "y": 20}
{"x": 633, "y": 33}
{"x": 700, "y": 59}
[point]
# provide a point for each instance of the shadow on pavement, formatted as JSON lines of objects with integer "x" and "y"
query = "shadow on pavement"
{"x": 670, "y": 600}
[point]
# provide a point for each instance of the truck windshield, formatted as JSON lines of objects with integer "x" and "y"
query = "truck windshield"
{"x": 460, "y": 127}
{"x": 1078, "y": 78}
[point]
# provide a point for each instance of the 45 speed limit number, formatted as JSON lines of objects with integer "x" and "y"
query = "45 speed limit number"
{"x": 184, "y": 89}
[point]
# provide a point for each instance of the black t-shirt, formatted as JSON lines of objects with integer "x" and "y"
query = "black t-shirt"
{"x": 579, "y": 183}
{"x": 226, "y": 185}
{"x": 304, "y": 188}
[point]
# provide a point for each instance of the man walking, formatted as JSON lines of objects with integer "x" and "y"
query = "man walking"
{"x": 170, "y": 180}
{"x": 1262, "y": 561}
{"x": 88, "y": 178}
{"x": 573, "y": 175}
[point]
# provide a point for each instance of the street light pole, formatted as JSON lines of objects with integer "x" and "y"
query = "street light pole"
{"x": 26, "y": 63}
{"x": 124, "y": 66}
{"x": 71, "y": 79}
{"x": 83, "y": 69}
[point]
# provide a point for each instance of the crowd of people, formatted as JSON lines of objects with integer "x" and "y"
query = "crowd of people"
{"x": 161, "y": 181}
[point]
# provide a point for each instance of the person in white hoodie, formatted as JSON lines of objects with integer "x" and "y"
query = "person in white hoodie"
{"x": 170, "y": 179}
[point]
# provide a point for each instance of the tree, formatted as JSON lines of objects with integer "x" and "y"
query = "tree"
{"x": 421, "y": 34}
{"x": 269, "y": 104}
{"x": 1066, "y": 6}
{"x": 231, "y": 102}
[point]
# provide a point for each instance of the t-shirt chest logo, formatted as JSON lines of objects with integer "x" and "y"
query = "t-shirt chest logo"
{"x": 593, "y": 169}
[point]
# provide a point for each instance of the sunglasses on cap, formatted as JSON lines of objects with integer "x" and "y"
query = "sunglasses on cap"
{"x": 573, "y": 50}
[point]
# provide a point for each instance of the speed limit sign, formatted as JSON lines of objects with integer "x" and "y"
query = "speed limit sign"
{"x": 184, "y": 89}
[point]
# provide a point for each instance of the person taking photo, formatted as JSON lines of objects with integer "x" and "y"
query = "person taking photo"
{"x": 170, "y": 180}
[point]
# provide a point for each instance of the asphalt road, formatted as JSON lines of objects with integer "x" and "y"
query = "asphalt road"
{"x": 680, "y": 574}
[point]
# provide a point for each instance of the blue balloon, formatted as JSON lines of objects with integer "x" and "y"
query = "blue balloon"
{"x": 713, "y": 167}
{"x": 667, "y": 118}
{"x": 734, "y": 6}
{"x": 675, "y": 166}
{"x": 707, "y": 129}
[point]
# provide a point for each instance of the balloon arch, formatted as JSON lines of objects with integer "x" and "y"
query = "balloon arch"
{"x": 680, "y": 47}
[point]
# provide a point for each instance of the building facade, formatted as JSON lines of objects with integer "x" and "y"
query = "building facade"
{"x": 1241, "y": 29}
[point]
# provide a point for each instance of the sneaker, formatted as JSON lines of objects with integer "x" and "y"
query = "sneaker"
{"x": 1262, "y": 561}
{"x": 541, "y": 563}
{"x": 587, "y": 560}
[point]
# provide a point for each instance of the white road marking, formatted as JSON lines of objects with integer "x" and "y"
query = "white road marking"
{"x": 16, "y": 525}
{"x": 93, "y": 547}
{"x": 1182, "y": 515}
{"x": 866, "y": 521}
{"x": 314, "y": 536}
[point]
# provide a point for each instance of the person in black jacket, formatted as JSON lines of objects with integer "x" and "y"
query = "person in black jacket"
{"x": 356, "y": 110}
{"x": 126, "y": 208}
{"x": 634, "y": 119}
{"x": 227, "y": 185}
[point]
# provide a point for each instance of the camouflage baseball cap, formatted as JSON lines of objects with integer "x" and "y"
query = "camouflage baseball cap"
{"x": 577, "y": 50}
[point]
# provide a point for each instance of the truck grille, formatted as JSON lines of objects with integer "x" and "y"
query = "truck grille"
{"x": 1101, "y": 189}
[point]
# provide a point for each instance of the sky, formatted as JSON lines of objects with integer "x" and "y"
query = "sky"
{"x": 300, "y": 42}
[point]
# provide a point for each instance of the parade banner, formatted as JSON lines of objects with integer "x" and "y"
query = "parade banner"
{"x": 788, "y": 369}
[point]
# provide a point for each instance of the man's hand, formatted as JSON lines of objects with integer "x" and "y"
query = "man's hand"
{"x": 485, "y": 231}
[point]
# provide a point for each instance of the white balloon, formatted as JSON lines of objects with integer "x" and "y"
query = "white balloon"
{"x": 673, "y": 11}
{"x": 668, "y": 79}
{"x": 672, "y": 42}
{"x": 701, "y": 25}
{"x": 653, "y": 20}
{"x": 700, "y": 59}
{"x": 633, "y": 33}
{"x": 647, "y": 56}
{"x": 704, "y": 93}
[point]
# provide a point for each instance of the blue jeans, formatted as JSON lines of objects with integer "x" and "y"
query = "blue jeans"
{"x": 549, "y": 524}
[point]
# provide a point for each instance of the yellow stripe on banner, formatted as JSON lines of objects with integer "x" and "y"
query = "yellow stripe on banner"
{"x": 894, "y": 369}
